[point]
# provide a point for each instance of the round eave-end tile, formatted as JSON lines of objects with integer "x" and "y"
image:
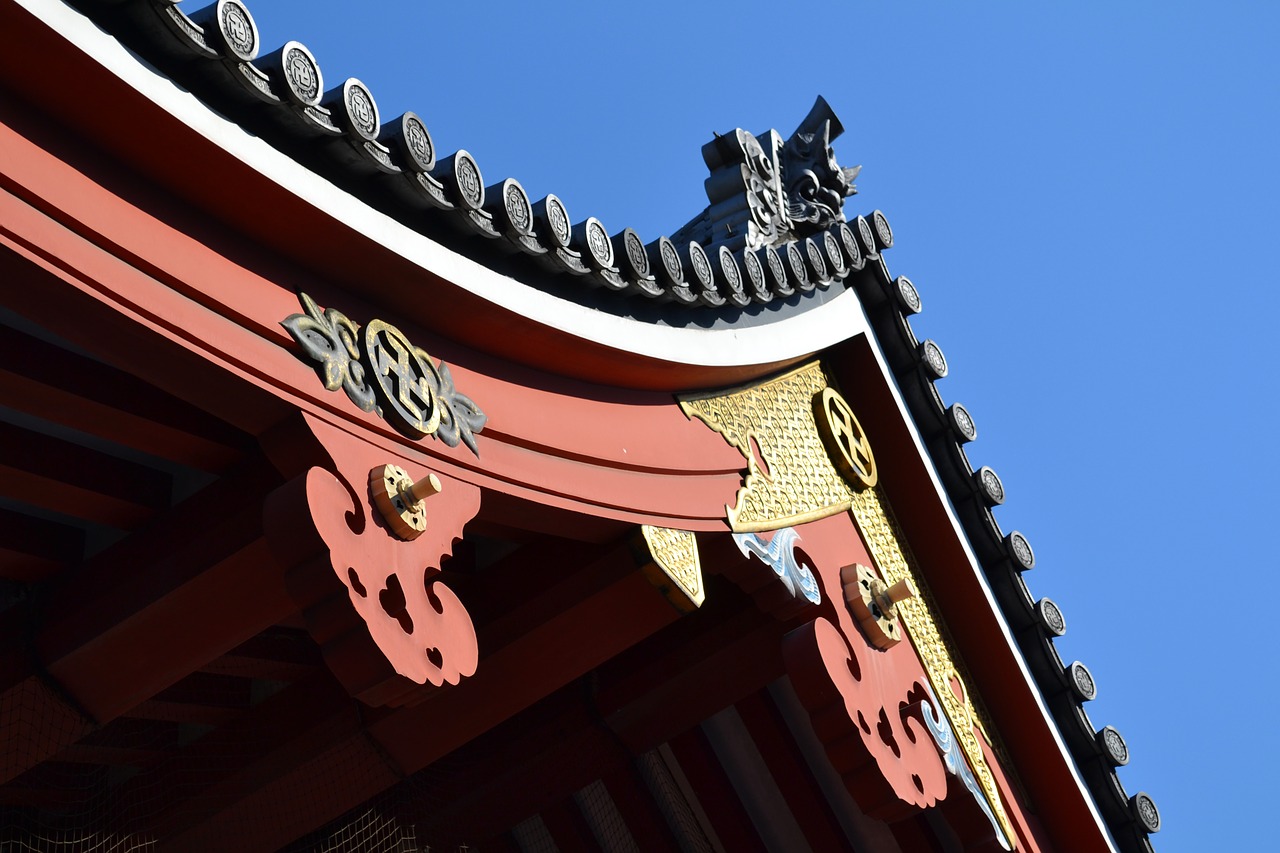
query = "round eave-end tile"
{"x": 1145, "y": 812}
{"x": 1051, "y": 617}
{"x": 1082, "y": 683}
{"x": 1019, "y": 550}
{"x": 1113, "y": 746}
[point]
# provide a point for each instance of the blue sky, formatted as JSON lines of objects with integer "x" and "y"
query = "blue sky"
{"x": 1085, "y": 196}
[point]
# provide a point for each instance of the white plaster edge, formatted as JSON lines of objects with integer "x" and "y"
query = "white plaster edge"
{"x": 974, "y": 567}
{"x": 837, "y": 320}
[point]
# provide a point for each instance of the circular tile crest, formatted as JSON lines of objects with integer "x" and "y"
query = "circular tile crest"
{"x": 834, "y": 257}
{"x": 301, "y": 74}
{"x": 558, "y": 221}
{"x": 361, "y": 109}
{"x": 907, "y": 296}
{"x": 239, "y": 33}
{"x": 851, "y": 247}
{"x": 776, "y": 272}
{"x": 701, "y": 266}
{"x": 935, "y": 362}
{"x": 598, "y": 242}
{"x": 1051, "y": 617}
{"x": 865, "y": 235}
{"x": 795, "y": 265}
{"x": 730, "y": 273}
{"x": 754, "y": 271}
{"x": 636, "y": 254}
{"x": 1144, "y": 809}
{"x": 1114, "y": 746}
{"x": 671, "y": 259}
{"x": 962, "y": 426}
{"x": 1082, "y": 681}
{"x": 470, "y": 184}
{"x": 516, "y": 204}
{"x": 884, "y": 234}
{"x": 990, "y": 486}
{"x": 816, "y": 262}
{"x": 417, "y": 142}
{"x": 1020, "y": 550}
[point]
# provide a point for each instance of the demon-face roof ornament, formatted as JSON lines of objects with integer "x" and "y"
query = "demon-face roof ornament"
{"x": 763, "y": 191}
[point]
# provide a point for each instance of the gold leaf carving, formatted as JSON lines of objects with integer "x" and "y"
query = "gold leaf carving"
{"x": 798, "y": 482}
{"x": 675, "y": 552}
{"x": 883, "y": 539}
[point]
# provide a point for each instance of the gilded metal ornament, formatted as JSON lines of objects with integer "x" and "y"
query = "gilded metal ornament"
{"x": 844, "y": 438}
{"x": 945, "y": 738}
{"x": 404, "y": 378}
{"x": 884, "y": 542}
{"x": 400, "y": 500}
{"x": 791, "y": 478}
{"x": 675, "y": 555}
{"x": 874, "y": 604}
{"x": 383, "y": 372}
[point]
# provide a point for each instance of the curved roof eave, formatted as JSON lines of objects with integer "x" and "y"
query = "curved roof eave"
{"x": 679, "y": 357}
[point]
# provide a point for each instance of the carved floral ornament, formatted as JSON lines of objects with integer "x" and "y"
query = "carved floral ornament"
{"x": 808, "y": 464}
{"x": 382, "y": 372}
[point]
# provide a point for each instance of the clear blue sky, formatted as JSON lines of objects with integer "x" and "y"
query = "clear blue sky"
{"x": 1085, "y": 195}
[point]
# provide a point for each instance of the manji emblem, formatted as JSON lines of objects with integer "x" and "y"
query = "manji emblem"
{"x": 382, "y": 372}
{"x": 808, "y": 458}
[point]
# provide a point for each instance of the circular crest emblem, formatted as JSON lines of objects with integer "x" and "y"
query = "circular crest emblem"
{"x": 238, "y": 30}
{"x": 844, "y": 439}
{"x": 405, "y": 379}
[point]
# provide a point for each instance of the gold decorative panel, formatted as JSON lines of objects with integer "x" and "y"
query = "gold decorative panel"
{"x": 790, "y": 476}
{"x": 789, "y": 429}
{"x": 884, "y": 541}
{"x": 675, "y": 552}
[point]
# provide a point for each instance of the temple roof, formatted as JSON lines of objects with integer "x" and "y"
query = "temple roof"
{"x": 730, "y": 267}
{"x": 771, "y": 244}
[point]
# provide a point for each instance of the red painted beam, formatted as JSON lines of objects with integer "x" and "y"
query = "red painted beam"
{"x": 804, "y": 797}
{"x": 214, "y": 772}
{"x": 54, "y": 384}
{"x": 32, "y": 549}
{"x": 641, "y": 814}
{"x": 78, "y": 481}
{"x": 568, "y": 829}
{"x": 715, "y": 793}
{"x": 560, "y": 646}
{"x": 147, "y": 612}
{"x": 561, "y": 745}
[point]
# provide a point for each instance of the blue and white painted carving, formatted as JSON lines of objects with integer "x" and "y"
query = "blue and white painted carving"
{"x": 780, "y": 555}
{"x": 940, "y": 728}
